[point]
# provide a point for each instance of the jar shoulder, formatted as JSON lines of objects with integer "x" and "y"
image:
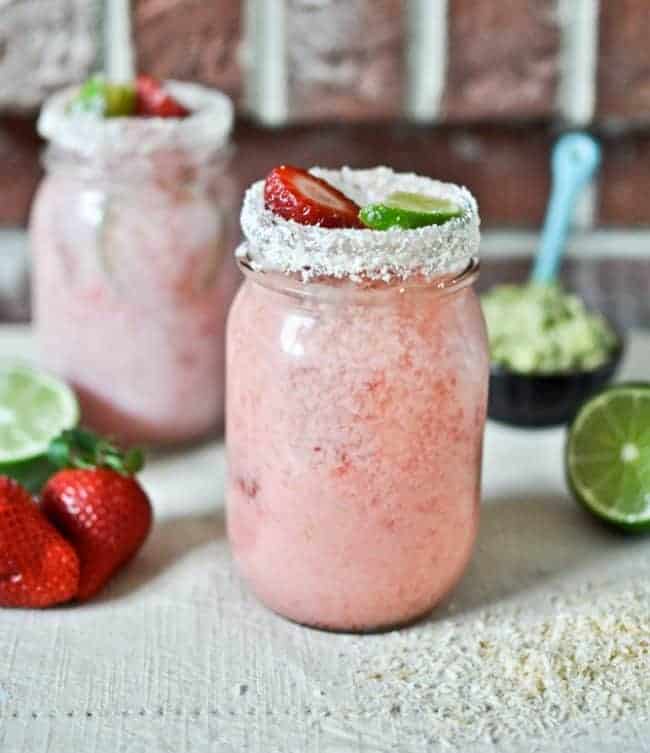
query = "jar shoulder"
{"x": 426, "y": 327}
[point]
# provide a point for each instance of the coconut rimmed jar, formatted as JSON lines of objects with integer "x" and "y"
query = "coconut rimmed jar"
{"x": 132, "y": 272}
{"x": 355, "y": 412}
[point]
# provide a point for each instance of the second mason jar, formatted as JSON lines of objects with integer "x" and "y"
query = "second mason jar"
{"x": 355, "y": 416}
{"x": 132, "y": 275}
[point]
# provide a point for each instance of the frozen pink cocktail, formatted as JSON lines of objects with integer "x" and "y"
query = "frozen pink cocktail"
{"x": 132, "y": 274}
{"x": 355, "y": 419}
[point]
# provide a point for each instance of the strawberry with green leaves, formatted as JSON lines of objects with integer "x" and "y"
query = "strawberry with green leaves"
{"x": 97, "y": 504}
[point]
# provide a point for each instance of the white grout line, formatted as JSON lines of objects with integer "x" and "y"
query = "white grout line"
{"x": 584, "y": 216}
{"x": 14, "y": 252}
{"x": 579, "y": 57}
{"x": 597, "y": 244}
{"x": 576, "y": 100}
{"x": 266, "y": 45}
{"x": 505, "y": 242}
{"x": 118, "y": 42}
{"x": 427, "y": 58}
{"x": 249, "y": 53}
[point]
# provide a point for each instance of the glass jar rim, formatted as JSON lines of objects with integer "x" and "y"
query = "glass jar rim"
{"x": 311, "y": 250}
{"x": 206, "y": 129}
{"x": 368, "y": 291}
{"x": 116, "y": 171}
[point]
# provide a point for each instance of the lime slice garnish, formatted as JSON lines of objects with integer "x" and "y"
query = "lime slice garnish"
{"x": 408, "y": 211}
{"x": 120, "y": 100}
{"x": 34, "y": 408}
{"x": 104, "y": 99}
{"x": 608, "y": 456}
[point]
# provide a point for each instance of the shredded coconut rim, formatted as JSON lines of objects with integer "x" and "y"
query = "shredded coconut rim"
{"x": 279, "y": 245}
{"x": 207, "y": 127}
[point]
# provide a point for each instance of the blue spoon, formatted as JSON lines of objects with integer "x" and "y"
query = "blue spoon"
{"x": 575, "y": 158}
{"x": 548, "y": 400}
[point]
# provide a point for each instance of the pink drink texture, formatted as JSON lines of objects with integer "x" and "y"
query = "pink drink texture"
{"x": 131, "y": 294}
{"x": 354, "y": 445}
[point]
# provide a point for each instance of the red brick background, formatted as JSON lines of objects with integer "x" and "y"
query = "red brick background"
{"x": 19, "y": 169}
{"x": 510, "y": 190}
{"x": 506, "y": 166}
{"x": 347, "y": 87}
{"x": 191, "y": 39}
{"x": 625, "y": 181}
{"x": 503, "y": 60}
{"x": 624, "y": 61}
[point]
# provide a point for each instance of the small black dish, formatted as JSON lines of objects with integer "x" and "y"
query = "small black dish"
{"x": 542, "y": 400}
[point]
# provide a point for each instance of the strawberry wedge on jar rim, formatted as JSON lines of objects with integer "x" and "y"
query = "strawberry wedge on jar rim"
{"x": 357, "y": 372}
{"x": 130, "y": 237}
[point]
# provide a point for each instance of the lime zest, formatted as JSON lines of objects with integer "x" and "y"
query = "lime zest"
{"x": 542, "y": 329}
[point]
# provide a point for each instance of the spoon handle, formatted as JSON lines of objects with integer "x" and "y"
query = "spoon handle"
{"x": 575, "y": 158}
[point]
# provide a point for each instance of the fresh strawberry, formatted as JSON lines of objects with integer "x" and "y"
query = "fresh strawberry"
{"x": 153, "y": 101}
{"x": 38, "y": 568}
{"x": 300, "y": 196}
{"x": 98, "y": 506}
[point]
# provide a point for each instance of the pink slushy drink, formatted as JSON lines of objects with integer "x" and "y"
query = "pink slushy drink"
{"x": 355, "y": 412}
{"x": 132, "y": 274}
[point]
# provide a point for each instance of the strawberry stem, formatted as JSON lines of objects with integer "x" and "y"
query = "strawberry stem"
{"x": 80, "y": 448}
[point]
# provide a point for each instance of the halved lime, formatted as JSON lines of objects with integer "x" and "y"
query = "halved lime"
{"x": 408, "y": 211}
{"x": 34, "y": 408}
{"x": 608, "y": 456}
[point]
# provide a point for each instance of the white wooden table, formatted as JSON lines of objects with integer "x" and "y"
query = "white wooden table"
{"x": 543, "y": 647}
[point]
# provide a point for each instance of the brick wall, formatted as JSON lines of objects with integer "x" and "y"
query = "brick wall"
{"x": 503, "y": 60}
{"x": 469, "y": 90}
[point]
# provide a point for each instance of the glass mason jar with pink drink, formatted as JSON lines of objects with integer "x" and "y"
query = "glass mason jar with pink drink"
{"x": 132, "y": 271}
{"x": 357, "y": 374}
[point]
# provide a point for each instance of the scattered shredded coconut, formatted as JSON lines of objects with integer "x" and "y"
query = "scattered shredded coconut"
{"x": 565, "y": 670}
{"x": 276, "y": 244}
{"x": 509, "y": 678}
{"x": 207, "y": 128}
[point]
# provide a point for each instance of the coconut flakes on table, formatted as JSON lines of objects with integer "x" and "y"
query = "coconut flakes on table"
{"x": 506, "y": 676}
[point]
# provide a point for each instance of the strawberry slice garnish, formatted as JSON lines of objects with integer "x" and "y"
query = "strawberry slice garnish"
{"x": 38, "y": 567}
{"x": 153, "y": 101}
{"x": 297, "y": 195}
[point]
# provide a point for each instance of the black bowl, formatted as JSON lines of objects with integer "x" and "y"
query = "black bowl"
{"x": 541, "y": 400}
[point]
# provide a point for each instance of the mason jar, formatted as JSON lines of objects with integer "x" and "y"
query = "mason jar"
{"x": 355, "y": 415}
{"x": 132, "y": 274}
